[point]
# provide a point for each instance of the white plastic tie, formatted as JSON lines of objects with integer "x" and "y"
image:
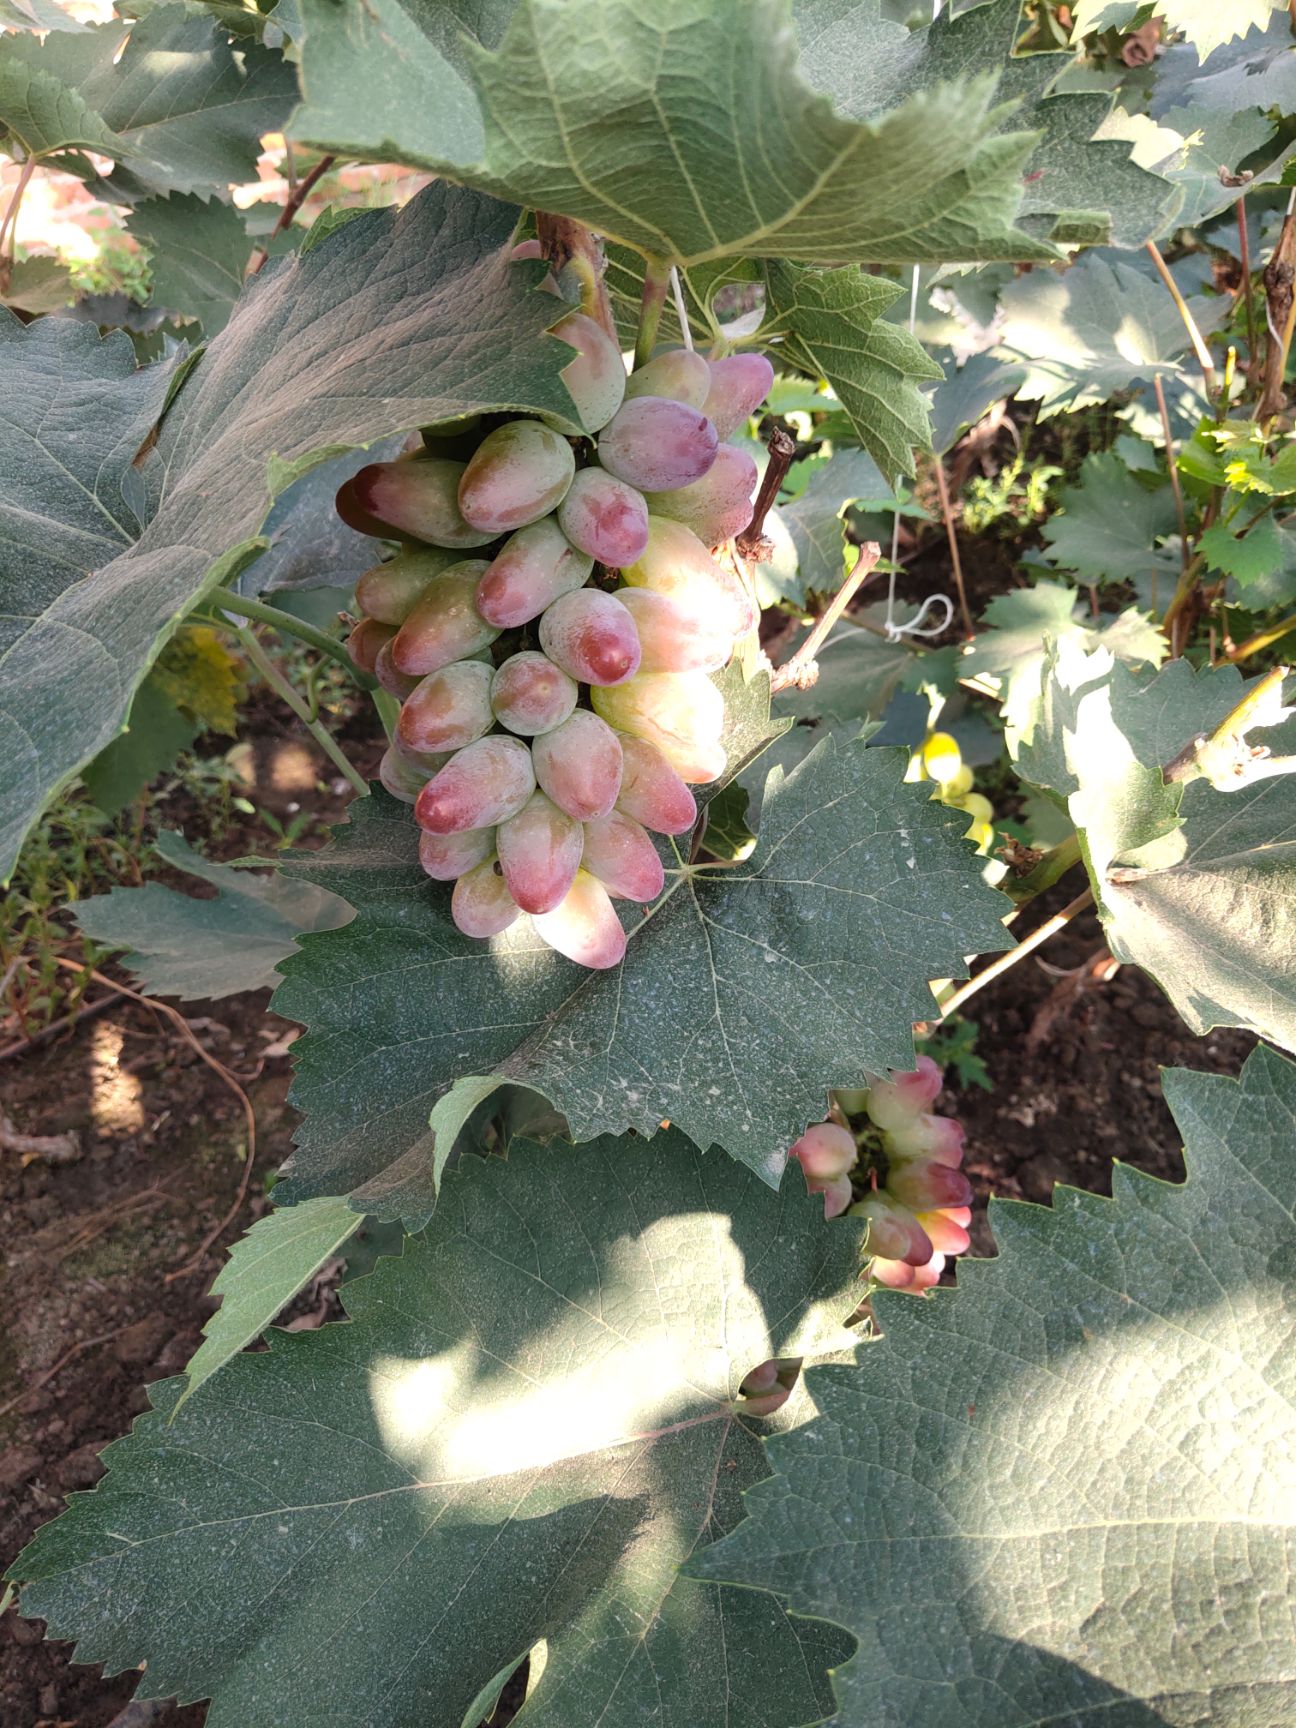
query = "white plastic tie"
{"x": 681, "y": 311}
{"x": 916, "y": 627}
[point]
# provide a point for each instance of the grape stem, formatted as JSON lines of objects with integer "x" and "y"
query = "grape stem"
{"x": 296, "y": 198}
{"x": 284, "y": 622}
{"x": 802, "y": 669}
{"x": 656, "y": 286}
{"x": 284, "y": 690}
{"x": 1027, "y": 945}
{"x": 782, "y": 448}
{"x": 564, "y": 242}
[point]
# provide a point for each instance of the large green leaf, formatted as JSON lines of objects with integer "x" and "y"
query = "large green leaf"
{"x": 181, "y": 946}
{"x": 525, "y": 1428}
{"x": 1195, "y": 885}
{"x": 811, "y": 961}
{"x": 1199, "y": 150}
{"x": 395, "y": 320}
{"x": 47, "y": 117}
{"x": 831, "y": 325}
{"x": 198, "y": 253}
{"x": 1108, "y": 526}
{"x": 814, "y": 517}
{"x": 1062, "y": 1492}
{"x": 683, "y": 130}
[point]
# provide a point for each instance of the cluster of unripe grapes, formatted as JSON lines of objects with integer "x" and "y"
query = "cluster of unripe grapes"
{"x": 885, "y": 1144}
{"x": 939, "y": 759}
{"x": 551, "y": 627}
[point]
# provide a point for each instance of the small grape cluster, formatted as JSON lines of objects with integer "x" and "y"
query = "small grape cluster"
{"x": 940, "y": 760}
{"x": 916, "y": 1198}
{"x": 550, "y": 718}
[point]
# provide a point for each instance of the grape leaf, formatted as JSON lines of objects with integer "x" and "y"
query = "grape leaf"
{"x": 191, "y": 948}
{"x": 1198, "y": 149}
{"x": 47, "y": 117}
{"x": 1248, "y": 558}
{"x": 683, "y": 131}
{"x": 1207, "y": 24}
{"x": 832, "y": 328}
{"x": 811, "y": 959}
{"x": 1061, "y": 1493}
{"x": 813, "y": 518}
{"x": 1076, "y": 190}
{"x": 39, "y": 284}
{"x": 966, "y": 395}
{"x": 198, "y": 253}
{"x": 279, "y": 1256}
{"x": 310, "y": 546}
{"x": 37, "y": 15}
{"x": 1107, "y": 527}
{"x": 396, "y": 320}
{"x": 1256, "y": 71}
{"x": 523, "y": 1430}
{"x": 155, "y": 733}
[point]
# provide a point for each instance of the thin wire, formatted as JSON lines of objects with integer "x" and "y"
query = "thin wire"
{"x": 680, "y": 309}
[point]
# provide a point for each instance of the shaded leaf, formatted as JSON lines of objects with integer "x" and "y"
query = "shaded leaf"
{"x": 814, "y": 518}
{"x": 529, "y": 1427}
{"x": 1107, "y": 527}
{"x": 154, "y": 735}
{"x": 1249, "y": 557}
{"x": 38, "y": 285}
{"x": 199, "y": 252}
{"x": 1006, "y": 1469}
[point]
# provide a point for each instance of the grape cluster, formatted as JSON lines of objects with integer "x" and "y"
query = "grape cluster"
{"x": 551, "y": 715}
{"x": 885, "y": 1142}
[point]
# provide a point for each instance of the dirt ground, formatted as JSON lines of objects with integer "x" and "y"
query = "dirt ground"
{"x": 108, "y": 1259}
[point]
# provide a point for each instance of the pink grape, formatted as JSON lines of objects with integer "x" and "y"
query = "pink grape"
{"x": 619, "y": 852}
{"x": 584, "y": 926}
{"x": 398, "y": 684}
{"x": 531, "y": 695}
{"x": 678, "y": 375}
{"x": 419, "y": 497}
{"x": 682, "y": 713}
{"x": 720, "y": 504}
{"x": 676, "y": 563}
{"x": 445, "y": 856}
{"x": 675, "y": 638}
{"x": 534, "y": 568}
{"x": 527, "y": 249}
{"x": 837, "y": 1194}
{"x": 449, "y": 708}
{"x": 894, "y": 1232}
{"x": 592, "y": 637}
{"x": 445, "y": 625}
{"x": 482, "y": 784}
{"x": 596, "y": 378}
{"x": 899, "y": 1275}
{"x": 936, "y": 1138}
{"x": 365, "y": 641}
{"x": 947, "y": 1228}
{"x": 579, "y": 765}
{"x": 481, "y": 904}
{"x": 390, "y": 591}
{"x": 539, "y": 853}
{"x": 605, "y": 517}
{"x": 657, "y": 445}
{"x": 739, "y": 384}
{"x": 651, "y": 791}
{"x": 826, "y": 1150}
{"x": 402, "y": 778}
{"x": 763, "y": 1392}
{"x": 519, "y": 472}
{"x": 924, "y": 1187}
{"x": 895, "y": 1102}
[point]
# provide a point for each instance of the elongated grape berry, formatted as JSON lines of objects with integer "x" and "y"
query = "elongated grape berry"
{"x": 365, "y": 640}
{"x": 656, "y": 445}
{"x": 420, "y": 498}
{"x": 682, "y": 713}
{"x": 401, "y": 777}
{"x": 674, "y": 637}
{"x": 825, "y": 1150}
{"x": 445, "y": 625}
{"x": 679, "y": 375}
{"x": 390, "y": 591}
{"x": 448, "y": 708}
{"x": 584, "y": 926}
{"x": 579, "y": 765}
{"x": 921, "y": 1186}
{"x": 481, "y": 904}
{"x": 482, "y": 784}
{"x": 592, "y": 637}
{"x": 395, "y": 683}
{"x": 720, "y": 504}
{"x": 596, "y": 378}
{"x": 519, "y": 472}
{"x": 894, "y": 1232}
{"x": 739, "y": 384}
{"x": 651, "y": 791}
{"x": 446, "y": 856}
{"x": 605, "y": 518}
{"x": 530, "y": 695}
{"x": 619, "y": 852}
{"x": 533, "y": 568}
{"x": 539, "y": 853}
{"x": 677, "y": 564}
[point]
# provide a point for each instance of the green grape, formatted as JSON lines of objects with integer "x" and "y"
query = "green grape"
{"x": 679, "y": 375}
{"x": 584, "y": 926}
{"x": 481, "y": 904}
{"x": 365, "y": 641}
{"x": 520, "y": 472}
{"x": 673, "y": 638}
{"x": 619, "y": 852}
{"x": 403, "y": 778}
{"x": 446, "y": 856}
{"x": 445, "y": 625}
{"x": 390, "y": 591}
{"x": 677, "y": 564}
{"x": 416, "y": 496}
{"x": 596, "y": 378}
{"x": 481, "y": 785}
{"x": 651, "y": 791}
{"x": 682, "y": 713}
{"x": 398, "y": 684}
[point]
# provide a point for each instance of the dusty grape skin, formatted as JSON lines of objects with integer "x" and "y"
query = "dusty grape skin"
{"x": 620, "y": 854}
{"x": 596, "y": 378}
{"x": 682, "y": 713}
{"x": 678, "y": 375}
{"x": 398, "y": 684}
{"x": 651, "y": 791}
{"x": 445, "y": 625}
{"x": 539, "y": 852}
{"x": 739, "y": 384}
{"x": 446, "y": 856}
{"x": 656, "y": 445}
{"x": 402, "y": 778}
{"x": 481, "y": 904}
{"x": 825, "y": 1151}
{"x": 418, "y": 498}
{"x": 578, "y": 765}
{"x": 592, "y": 637}
{"x": 720, "y": 504}
{"x": 677, "y": 564}
{"x": 519, "y": 472}
{"x": 389, "y": 592}
{"x": 605, "y": 518}
{"x": 584, "y": 927}
{"x": 672, "y": 637}
{"x": 366, "y": 640}
{"x": 927, "y": 1186}
{"x": 448, "y": 708}
{"x": 534, "y": 567}
{"x": 531, "y": 695}
{"x": 894, "y": 1232}
{"x": 481, "y": 785}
